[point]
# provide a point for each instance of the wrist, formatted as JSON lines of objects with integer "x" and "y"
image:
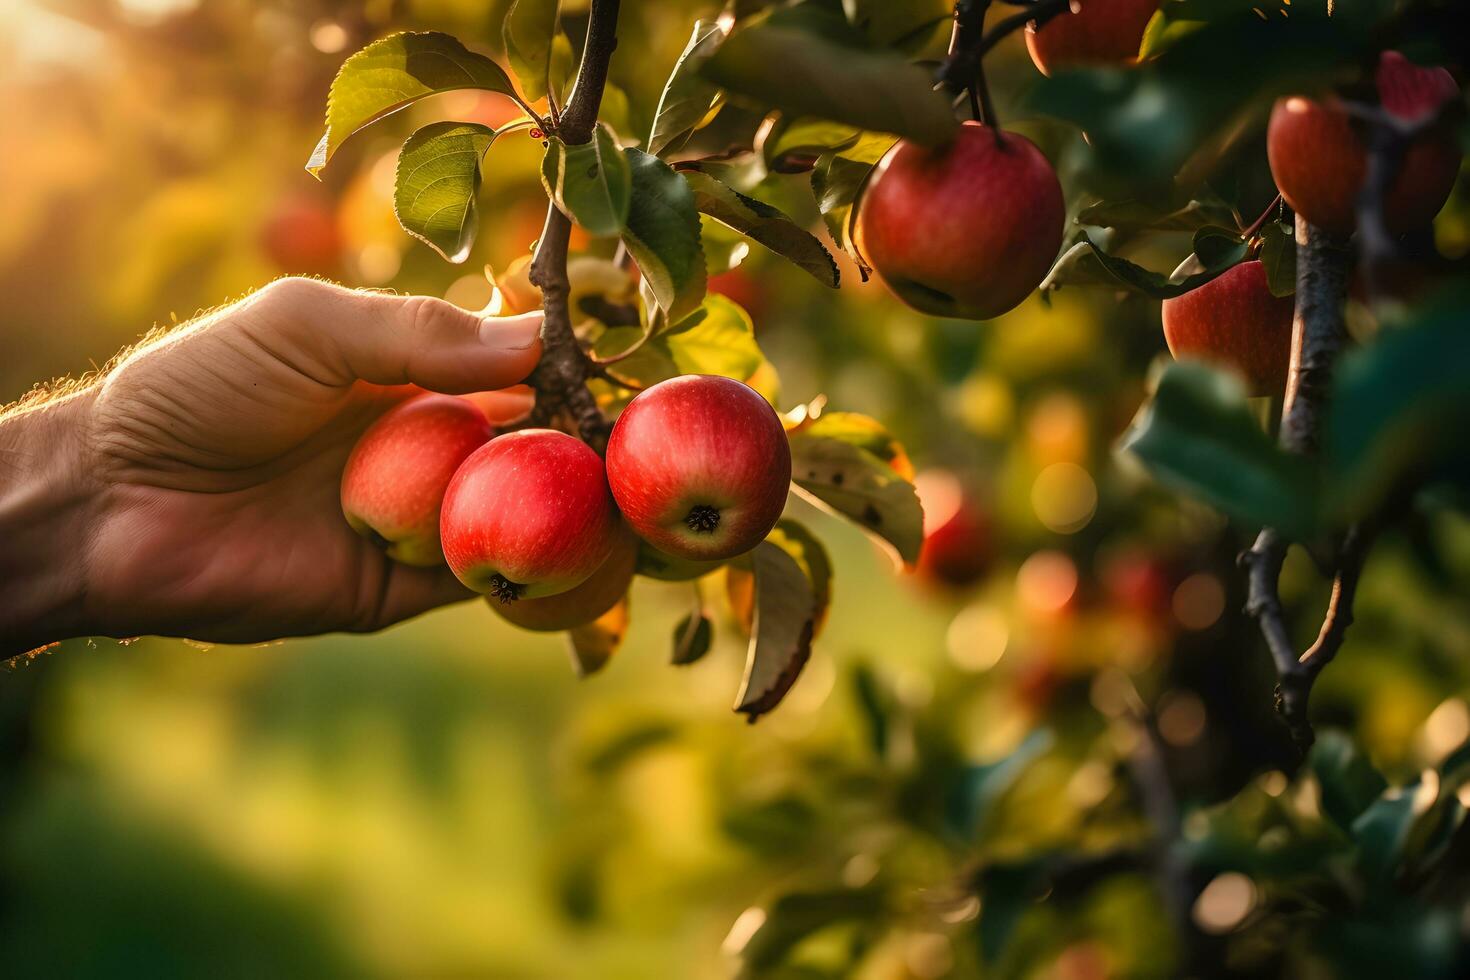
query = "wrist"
{"x": 45, "y": 510}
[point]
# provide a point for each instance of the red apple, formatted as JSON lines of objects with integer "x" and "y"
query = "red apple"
{"x": 1319, "y": 163}
{"x": 700, "y": 466}
{"x": 528, "y": 515}
{"x": 395, "y": 478}
{"x": 967, "y": 230}
{"x": 1234, "y": 321}
{"x": 1096, "y": 33}
{"x": 959, "y": 540}
{"x": 586, "y": 602}
{"x": 302, "y": 236}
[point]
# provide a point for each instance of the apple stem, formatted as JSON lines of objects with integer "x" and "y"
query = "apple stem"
{"x": 560, "y": 379}
{"x": 1319, "y": 335}
{"x": 1260, "y": 222}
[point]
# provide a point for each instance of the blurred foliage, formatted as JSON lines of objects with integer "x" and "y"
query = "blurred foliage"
{"x": 953, "y": 786}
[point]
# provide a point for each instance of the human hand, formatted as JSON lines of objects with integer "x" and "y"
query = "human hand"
{"x": 194, "y": 490}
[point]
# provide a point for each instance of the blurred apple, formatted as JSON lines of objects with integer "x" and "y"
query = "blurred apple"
{"x": 959, "y": 538}
{"x": 301, "y": 236}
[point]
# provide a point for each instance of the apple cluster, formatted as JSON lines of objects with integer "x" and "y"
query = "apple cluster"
{"x": 971, "y": 228}
{"x": 696, "y": 473}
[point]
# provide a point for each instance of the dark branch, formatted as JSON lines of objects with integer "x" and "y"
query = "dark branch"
{"x": 1318, "y": 336}
{"x": 560, "y": 379}
{"x": 968, "y": 46}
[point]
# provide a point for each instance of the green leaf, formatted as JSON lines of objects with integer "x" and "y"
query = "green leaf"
{"x": 594, "y": 644}
{"x": 1348, "y": 780}
{"x": 858, "y": 485}
{"x": 1199, "y": 436}
{"x": 836, "y": 184}
{"x": 687, "y": 98}
{"x": 590, "y": 182}
{"x": 691, "y": 639}
{"x": 1382, "y": 829}
{"x": 721, "y": 340}
{"x": 1131, "y": 214}
{"x": 1085, "y": 264}
{"x": 1400, "y": 408}
{"x": 801, "y": 544}
{"x": 807, "y": 61}
{"x": 781, "y": 638}
{"x": 795, "y": 916}
{"x": 865, "y": 433}
{"x": 795, "y": 145}
{"x": 1278, "y": 257}
{"x": 437, "y": 182}
{"x": 980, "y": 787}
{"x": 529, "y": 27}
{"x": 662, "y": 235}
{"x": 1219, "y": 248}
{"x": 389, "y": 74}
{"x": 764, "y": 224}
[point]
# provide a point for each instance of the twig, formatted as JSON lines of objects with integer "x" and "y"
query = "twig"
{"x": 561, "y": 377}
{"x": 1260, "y": 222}
{"x": 968, "y": 46}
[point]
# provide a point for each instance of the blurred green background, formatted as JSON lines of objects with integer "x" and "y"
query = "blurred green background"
{"x": 445, "y": 799}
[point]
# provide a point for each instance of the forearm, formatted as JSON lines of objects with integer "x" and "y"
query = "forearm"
{"x": 45, "y": 510}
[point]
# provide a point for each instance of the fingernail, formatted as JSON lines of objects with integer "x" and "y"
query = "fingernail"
{"x": 511, "y": 332}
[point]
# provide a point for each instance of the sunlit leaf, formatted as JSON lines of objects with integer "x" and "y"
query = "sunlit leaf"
{"x": 720, "y": 340}
{"x": 827, "y": 71}
{"x": 860, "y": 486}
{"x": 528, "y": 30}
{"x": 590, "y": 182}
{"x": 764, "y": 224}
{"x": 859, "y": 430}
{"x": 687, "y": 98}
{"x": 662, "y": 235}
{"x": 436, "y": 185}
{"x": 389, "y": 74}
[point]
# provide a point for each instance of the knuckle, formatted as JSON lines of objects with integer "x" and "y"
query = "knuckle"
{"x": 289, "y": 292}
{"x": 434, "y": 319}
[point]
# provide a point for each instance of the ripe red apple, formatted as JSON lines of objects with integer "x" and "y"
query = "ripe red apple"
{"x": 959, "y": 539}
{"x": 395, "y": 478}
{"x": 967, "y": 230}
{"x": 1319, "y": 163}
{"x": 528, "y": 515}
{"x": 700, "y": 466}
{"x": 1096, "y": 33}
{"x": 584, "y": 603}
{"x": 1235, "y": 322}
{"x": 301, "y": 235}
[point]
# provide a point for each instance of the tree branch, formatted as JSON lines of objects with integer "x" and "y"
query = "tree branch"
{"x": 1319, "y": 333}
{"x": 560, "y": 379}
{"x": 968, "y": 45}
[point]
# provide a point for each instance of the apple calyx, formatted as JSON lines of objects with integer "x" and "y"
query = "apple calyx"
{"x": 504, "y": 589}
{"x": 702, "y": 518}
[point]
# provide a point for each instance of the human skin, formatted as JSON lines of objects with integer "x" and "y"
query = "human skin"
{"x": 193, "y": 490}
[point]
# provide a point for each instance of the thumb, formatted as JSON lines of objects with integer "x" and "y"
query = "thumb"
{"x": 342, "y": 335}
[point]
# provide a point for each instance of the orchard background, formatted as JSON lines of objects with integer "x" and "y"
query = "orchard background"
{"x": 1070, "y": 767}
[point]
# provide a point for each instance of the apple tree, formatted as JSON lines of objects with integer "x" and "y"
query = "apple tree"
{"x": 1297, "y": 153}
